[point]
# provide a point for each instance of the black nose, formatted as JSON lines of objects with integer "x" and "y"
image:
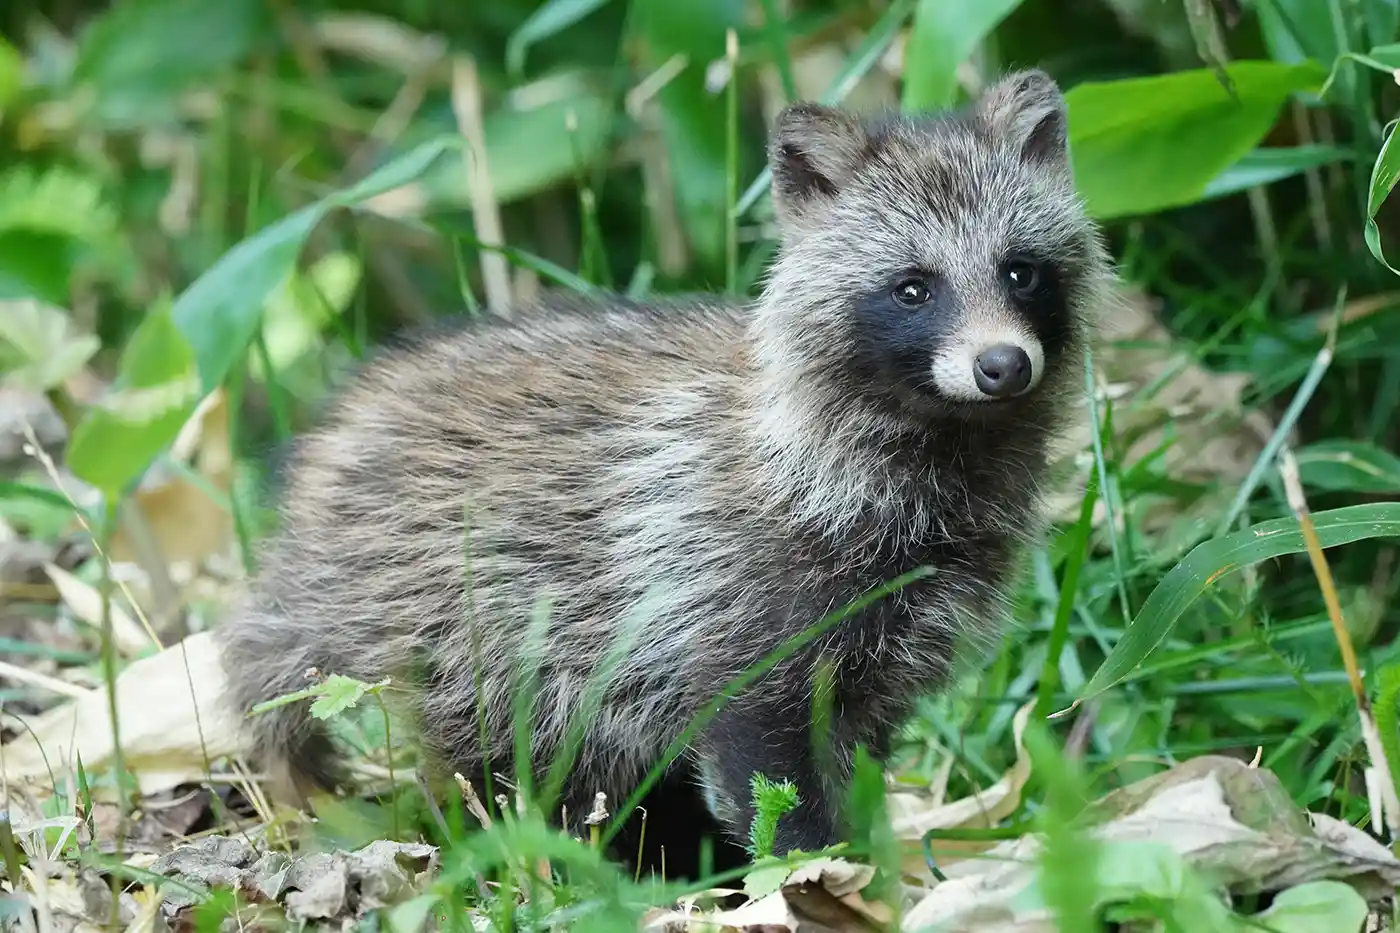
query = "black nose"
{"x": 1002, "y": 371}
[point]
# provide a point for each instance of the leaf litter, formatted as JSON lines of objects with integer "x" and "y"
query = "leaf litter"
{"x": 1211, "y": 816}
{"x": 320, "y": 886}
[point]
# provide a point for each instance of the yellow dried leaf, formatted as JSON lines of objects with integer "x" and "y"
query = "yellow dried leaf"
{"x": 913, "y": 813}
{"x": 85, "y": 601}
{"x": 170, "y": 717}
{"x": 179, "y": 521}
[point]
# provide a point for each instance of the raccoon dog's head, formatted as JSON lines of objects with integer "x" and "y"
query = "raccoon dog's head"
{"x": 940, "y": 266}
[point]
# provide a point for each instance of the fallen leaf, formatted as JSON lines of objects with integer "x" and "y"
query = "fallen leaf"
{"x": 177, "y": 519}
{"x": 913, "y": 814}
{"x": 1231, "y": 822}
{"x": 763, "y": 881}
{"x": 213, "y": 862}
{"x": 319, "y": 887}
{"x": 771, "y": 914}
{"x": 836, "y": 875}
{"x": 334, "y": 886}
{"x": 170, "y": 718}
{"x": 1357, "y": 856}
{"x": 85, "y": 601}
{"x": 82, "y": 903}
{"x": 1318, "y": 907}
{"x": 154, "y": 826}
{"x": 1158, "y": 391}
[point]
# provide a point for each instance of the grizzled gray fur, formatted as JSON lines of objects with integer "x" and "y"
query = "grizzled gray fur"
{"x": 739, "y": 470}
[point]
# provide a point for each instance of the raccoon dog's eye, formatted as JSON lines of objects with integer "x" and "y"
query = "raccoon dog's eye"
{"x": 911, "y": 293}
{"x": 1022, "y": 276}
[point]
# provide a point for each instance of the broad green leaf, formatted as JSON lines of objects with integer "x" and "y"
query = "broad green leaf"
{"x": 1349, "y": 466}
{"x": 1314, "y": 907}
{"x": 1387, "y": 56}
{"x": 945, "y": 33}
{"x": 548, "y": 20}
{"x": 1132, "y": 868}
{"x": 1212, "y": 560}
{"x": 39, "y": 348}
{"x": 46, "y": 219}
{"x": 1266, "y": 166}
{"x": 39, "y": 512}
{"x": 205, "y": 333}
{"x": 40, "y": 494}
{"x": 34, "y": 264}
{"x": 876, "y": 41}
{"x": 302, "y": 305}
{"x": 220, "y": 312}
{"x": 338, "y": 693}
{"x": 1298, "y": 31}
{"x": 1148, "y": 144}
{"x": 1384, "y": 174}
{"x": 1382, "y": 20}
{"x": 1141, "y": 880}
{"x": 156, "y": 389}
{"x": 141, "y": 56}
{"x": 762, "y": 882}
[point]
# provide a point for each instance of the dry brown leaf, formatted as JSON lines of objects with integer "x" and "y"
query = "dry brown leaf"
{"x": 147, "y": 918}
{"x": 828, "y": 894}
{"x": 334, "y": 886}
{"x": 977, "y": 893}
{"x": 1215, "y": 439}
{"x": 913, "y": 813}
{"x": 82, "y": 902}
{"x": 819, "y": 895}
{"x": 1233, "y": 822}
{"x": 178, "y": 521}
{"x": 836, "y": 875}
{"x": 170, "y": 719}
{"x": 771, "y": 914}
{"x": 85, "y": 601}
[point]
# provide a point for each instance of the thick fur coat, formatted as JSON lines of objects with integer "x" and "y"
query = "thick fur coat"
{"x": 719, "y": 475}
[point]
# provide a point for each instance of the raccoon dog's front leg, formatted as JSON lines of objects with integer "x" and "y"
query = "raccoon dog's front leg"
{"x": 769, "y": 735}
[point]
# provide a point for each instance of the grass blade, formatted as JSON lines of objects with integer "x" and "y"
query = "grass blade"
{"x": 945, "y": 33}
{"x": 1212, "y": 560}
{"x": 1319, "y": 367}
{"x": 857, "y": 66}
{"x": 548, "y": 20}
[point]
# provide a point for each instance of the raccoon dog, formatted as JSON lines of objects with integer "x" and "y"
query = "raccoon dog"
{"x": 728, "y": 473}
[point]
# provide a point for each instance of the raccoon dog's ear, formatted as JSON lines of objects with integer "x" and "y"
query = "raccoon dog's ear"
{"x": 1027, "y": 110}
{"x": 814, "y": 150}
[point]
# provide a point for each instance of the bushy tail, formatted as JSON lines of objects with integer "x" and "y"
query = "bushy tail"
{"x": 264, "y": 657}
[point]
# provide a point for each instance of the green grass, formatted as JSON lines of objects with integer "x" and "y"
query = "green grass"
{"x": 1174, "y": 613}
